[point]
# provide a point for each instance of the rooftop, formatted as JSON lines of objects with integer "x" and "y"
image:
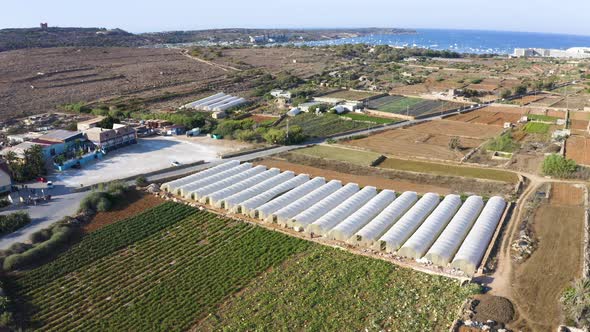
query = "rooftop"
{"x": 59, "y": 135}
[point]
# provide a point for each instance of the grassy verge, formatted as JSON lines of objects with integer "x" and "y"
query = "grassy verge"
{"x": 539, "y": 117}
{"x": 449, "y": 170}
{"x": 362, "y": 158}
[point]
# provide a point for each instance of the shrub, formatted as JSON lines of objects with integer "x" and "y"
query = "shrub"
{"x": 502, "y": 143}
{"x": 141, "y": 181}
{"x": 41, "y": 235}
{"x": 103, "y": 199}
{"x": 12, "y": 222}
{"x": 557, "y": 165}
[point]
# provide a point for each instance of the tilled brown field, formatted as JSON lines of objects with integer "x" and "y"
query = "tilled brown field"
{"x": 428, "y": 141}
{"x": 538, "y": 282}
{"x": 37, "y": 80}
{"x": 491, "y": 115}
{"x": 578, "y": 149}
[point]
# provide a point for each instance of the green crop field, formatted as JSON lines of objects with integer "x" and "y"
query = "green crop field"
{"x": 545, "y": 118}
{"x": 450, "y": 170}
{"x": 358, "y": 157}
{"x": 536, "y": 128}
{"x": 173, "y": 268}
{"x": 400, "y": 106}
{"x": 325, "y": 124}
{"x": 368, "y": 118}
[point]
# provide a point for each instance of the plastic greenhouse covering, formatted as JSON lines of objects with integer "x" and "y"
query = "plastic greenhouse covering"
{"x": 329, "y": 220}
{"x": 216, "y": 198}
{"x": 316, "y": 211}
{"x": 186, "y": 189}
{"x": 286, "y": 213}
{"x": 266, "y": 210}
{"x": 417, "y": 245}
{"x": 233, "y": 201}
{"x": 393, "y": 239}
{"x": 446, "y": 245}
{"x": 474, "y": 247}
{"x": 344, "y": 230}
{"x": 372, "y": 231}
{"x": 200, "y": 193}
{"x": 249, "y": 205}
{"x": 173, "y": 185}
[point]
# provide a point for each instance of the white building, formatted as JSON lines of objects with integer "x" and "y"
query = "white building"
{"x": 574, "y": 52}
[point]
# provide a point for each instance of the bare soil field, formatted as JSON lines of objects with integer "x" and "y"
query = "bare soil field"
{"x": 300, "y": 62}
{"x": 411, "y": 90}
{"x": 263, "y": 118}
{"x": 491, "y": 115}
{"x": 454, "y": 128}
{"x": 529, "y": 99}
{"x": 539, "y": 281}
{"x": 580, "y": 116}
{"x": 37, "y": 80}
{"x": 547, "y": 101}
{"x": 578, "y": 149}
{"x": 350, "y": 95}
{"x": 550, "y": 112}
{"x": 134, "y": 204}
{"x": 573, "y": 102}
{"x": 429, "y": 140}
{"x": 362, "y": 180}
{"x": 579, "y": 124}
{"x": 404, "y": 180}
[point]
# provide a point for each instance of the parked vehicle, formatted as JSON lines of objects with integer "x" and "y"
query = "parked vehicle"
{"x": 41, "y": 179}
{"x": 175, "y": 163}
{"x": 49, "y": 184}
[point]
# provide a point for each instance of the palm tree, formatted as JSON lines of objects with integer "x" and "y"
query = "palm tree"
{"x": 576, "y": 302}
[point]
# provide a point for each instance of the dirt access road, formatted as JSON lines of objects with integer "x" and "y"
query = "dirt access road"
{"x": 534, "y": 286}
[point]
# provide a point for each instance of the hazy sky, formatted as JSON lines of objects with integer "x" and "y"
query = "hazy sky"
{"x": 559, "y": 16}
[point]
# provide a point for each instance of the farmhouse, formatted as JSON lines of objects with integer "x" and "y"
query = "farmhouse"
{"x": 111, "y": 139}
{"x": 85, "y": 125}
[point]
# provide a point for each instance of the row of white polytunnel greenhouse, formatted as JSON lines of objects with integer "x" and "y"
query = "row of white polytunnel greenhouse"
{"x": 426, "y": 228}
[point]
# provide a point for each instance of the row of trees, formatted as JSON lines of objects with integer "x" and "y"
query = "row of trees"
{"x": 249, "y": 131}
{"x": 31, "y": 167}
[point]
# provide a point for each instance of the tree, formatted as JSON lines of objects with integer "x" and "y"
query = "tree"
{"x": 520, "y": 90}
{"x": 454, "y": 143}
{"x": 34, "y": 162}
{"x": 576, "y": 302}
{"x": 557, "y": 165}
{"x": 506, "y": 93}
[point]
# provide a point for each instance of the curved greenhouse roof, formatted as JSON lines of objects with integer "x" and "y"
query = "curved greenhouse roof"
{"x": 393, "y": 239}
{"x": 316, "y": 211}
{"x": 200, "y": 193}
{"x": 344, "y": 230}
{"x": 474, "y": 247}
{"x": 232, "y": 202}
{"x": 249, "y": 205}
{"x": 417, "y": 245}
{"x": 449, "y": 241}
{"x": 284, "y": 214}
{"x": 173, "y": 185}
{"x": 185, "y": 190}
{"x": 216, "y": 198}
{"x": 372, "y": 231}
{"x": 265, "y": 211}
{"x": 335, "y": 216}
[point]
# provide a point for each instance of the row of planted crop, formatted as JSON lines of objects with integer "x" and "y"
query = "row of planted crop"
{"x": 106, "y": 241}
{"x": 122, "y": 270}
{"x": 226, "y": 272}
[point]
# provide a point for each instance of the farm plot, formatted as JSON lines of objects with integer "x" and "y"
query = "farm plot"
{"x": 337, "y": 291}
{"x": 538, "y": 283}
{"x": 325, "y": 124}
{"x": 578, "y": 149}
{"x": 547, "y": 101}
{"x": 165, "y": 282}
{"x": 573, "y": 102}
{"x": 345, "y": 212}
{"x": 410, "y": 106}
{"x": 349, "y": 155}
{"x": 454, "y": 128}
{"x": 491, "y": 115}
{"x": 412, "y": 142}
{"x": 529, "y": 99}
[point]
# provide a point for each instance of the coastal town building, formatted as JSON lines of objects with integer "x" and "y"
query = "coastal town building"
{"x": 574, "y": 52}
{"x": 111, "y": 139}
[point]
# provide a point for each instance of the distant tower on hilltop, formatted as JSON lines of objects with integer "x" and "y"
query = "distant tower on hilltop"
{"x": 43, "y": 26}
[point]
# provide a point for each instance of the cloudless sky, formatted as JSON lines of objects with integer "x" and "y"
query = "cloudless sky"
{"x": 557, "y": 16}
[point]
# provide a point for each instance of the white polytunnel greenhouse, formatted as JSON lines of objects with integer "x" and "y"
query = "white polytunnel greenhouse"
{"x": 393, "y": 239}
{"x": 316, "y": 211}
{"x": 449, "y": 241}
{"x": 173, "y": 185}
{"x": 284, "y": 214}
{"x": 232, "y": 203}
{"x": 199, "y": 194}
{"x": 344, "y": 230}
{"x": 204, "y": 100}
{"x": 371, "y": 232}
{"x": 333, "y": 217}
{"x": 185, "y": 190}
{"x": 216, "y": 198}
{"x": 265, "y": 210}
{"x": 474, "y": 247}
{"x": 417, "y": 245}
{"x": 249, "y": 205}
